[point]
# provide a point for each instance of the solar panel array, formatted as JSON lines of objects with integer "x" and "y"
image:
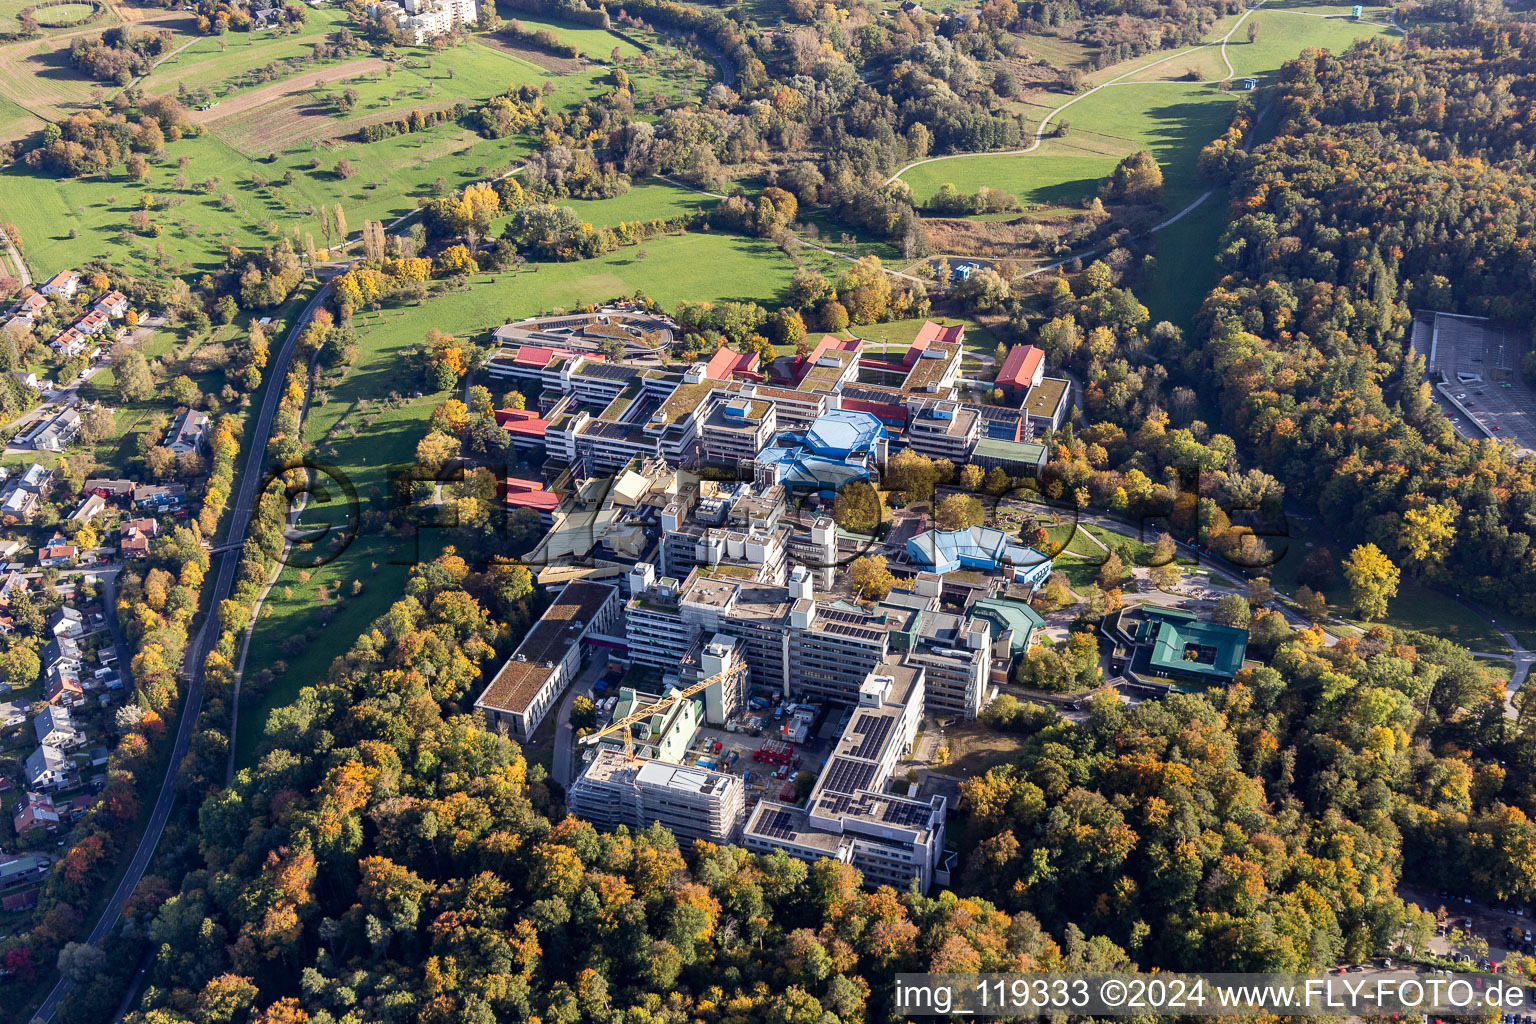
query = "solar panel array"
{"x": 872, "y": 731}
{"x": 609, "y": 371}
{"x": 844, "y": 623}
{"x": 845, "y": 775}
{"x": 776, "y": 823}
{"x": 905, "y": 813}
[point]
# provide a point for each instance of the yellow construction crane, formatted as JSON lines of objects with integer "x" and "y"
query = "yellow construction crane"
{"x": 628, "y": 721}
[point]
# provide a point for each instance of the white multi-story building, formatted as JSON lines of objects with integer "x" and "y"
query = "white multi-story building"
{"x": 891, "y": 840}
{"x": 421, "y": 20}
{"x": 691, "y": 803}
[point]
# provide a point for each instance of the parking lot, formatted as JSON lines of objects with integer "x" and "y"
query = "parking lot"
{"x": 1478, "y": 363}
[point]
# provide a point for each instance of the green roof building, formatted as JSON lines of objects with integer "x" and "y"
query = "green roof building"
{"x": 1007, "y": 615}
{"x": 1178, "y": 645}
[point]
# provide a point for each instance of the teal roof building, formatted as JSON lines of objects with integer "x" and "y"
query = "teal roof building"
{"x": 1178, "y": 645}
{"x": 1006, "y": 615}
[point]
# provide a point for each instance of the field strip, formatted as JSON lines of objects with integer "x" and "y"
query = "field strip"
{"x": 284, "y": 89}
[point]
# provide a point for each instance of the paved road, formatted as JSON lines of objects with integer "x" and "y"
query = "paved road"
{"x": 22, "y": 273}
{"x": 582, "y": 687}
{"x": 224, "y": 579}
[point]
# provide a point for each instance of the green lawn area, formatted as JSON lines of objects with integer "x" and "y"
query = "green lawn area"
{"x": 1155, "y": 111}
{"x": 596, "y": 43}
{"x": 219, "y": 63}
{"x": 1171, "y": 121}
{"x": 1286, "y": 29}
{"x": 651, "y": 200}
{"x": 1186, "y": 263}
{"x": 56, "y": 16}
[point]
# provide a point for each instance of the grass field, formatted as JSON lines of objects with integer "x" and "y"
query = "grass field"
{"x": 89, "y": 218}
{"x": 222, "y": 63}
{"x": 264, "y": 134}
{"x": 1172, "y": 122}
{"x": 1186, "y": 264}
{"x": 651, "y": 200}
{"x": 1155, "y": 111}
{"x": 72, "y": 12}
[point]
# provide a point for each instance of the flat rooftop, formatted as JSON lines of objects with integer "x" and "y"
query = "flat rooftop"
{"x": 711, "y": 593}
{"x": 784, "y": 824}
{"x": 1046, "y": 397}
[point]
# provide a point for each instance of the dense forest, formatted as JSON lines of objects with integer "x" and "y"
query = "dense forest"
{"x": 1402, "y": 180}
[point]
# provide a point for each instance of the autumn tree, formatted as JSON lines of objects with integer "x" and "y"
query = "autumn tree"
{"x": 1372, "y": 580}
{"x": 858, "y": 508}
{"x": 959, "y": 512}
{"x": 869, "y": 577}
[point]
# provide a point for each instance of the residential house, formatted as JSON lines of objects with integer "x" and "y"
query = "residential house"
{"x": 93, "y": 506}
{"x": 77, "y": 807}
{"x": 159, "y": 495}
{"x": 35, "y": 811}
{"x": 135, "y": 535}
{"x": 61, "y": 655}
{"x": 55, "y": 728}
{"x": 60, "y": 432}
{"x": 188, "y": 432}
{"x": 22, "y": 495}
{"x": 14, "y": 712}
{"x": 18, "y": 871}
{"x": 67, "y": 623}
{"x": 18, "y": 506}
{"x": 8, "y": 548}
{"x": 116, "y": 490}
{"x": 63, "y": 284}
{"x": 47, "y": 768}
{"x": 12, "y": 585}
{"x": 64, "y": 688}
{"x": 93, "y": 323}
{"x": 114, "y": 304}
{"x": 17, "y": 902}
{"x": 57, "y": 553}
{"x": 27, "y": 379}
{"x": 32, "y": 307}
{"x": 69, "y": 343}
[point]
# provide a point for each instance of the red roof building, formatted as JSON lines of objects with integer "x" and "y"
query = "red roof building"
{"x": 931, "y": 332}
{"x": 530, "y": 494}
{"x": 522, "y": 424}
{"x": 726, "y": 363}
{"x": 536, "y": 356}
{"x": 1022, "y": 369}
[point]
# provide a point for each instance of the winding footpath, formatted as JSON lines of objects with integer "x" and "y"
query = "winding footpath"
{"x": 228, "y": 559}
{"x": 1121, "y": 79}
